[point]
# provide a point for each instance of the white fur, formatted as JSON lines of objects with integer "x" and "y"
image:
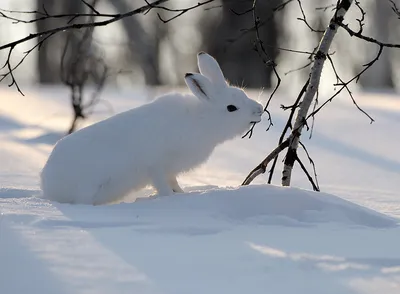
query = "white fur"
{"x": 151, "y": 144}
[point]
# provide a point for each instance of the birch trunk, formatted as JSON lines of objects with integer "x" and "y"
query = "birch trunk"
{"x": 315, "y": 76}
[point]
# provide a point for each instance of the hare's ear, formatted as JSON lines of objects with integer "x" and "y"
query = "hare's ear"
{"x": 210, "y": 68}
{"x": 200, "y": 86}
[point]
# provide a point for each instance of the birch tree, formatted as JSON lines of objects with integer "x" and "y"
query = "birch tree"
{"x": 301, "y": 107}
{"x": 312, "y": 88}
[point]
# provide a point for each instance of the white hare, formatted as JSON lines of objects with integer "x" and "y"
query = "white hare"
{"x": 151, "y": 144}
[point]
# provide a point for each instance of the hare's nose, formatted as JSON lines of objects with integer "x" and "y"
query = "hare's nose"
{"x": 259, "y": 110}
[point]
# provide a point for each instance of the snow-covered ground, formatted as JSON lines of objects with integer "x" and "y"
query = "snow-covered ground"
{"x": 218, "y": 237}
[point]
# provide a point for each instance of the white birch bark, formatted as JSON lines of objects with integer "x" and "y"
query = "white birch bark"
{"x": 315, "y": 76}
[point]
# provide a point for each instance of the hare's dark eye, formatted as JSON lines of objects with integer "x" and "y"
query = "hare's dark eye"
{"x": 231, "y": 108}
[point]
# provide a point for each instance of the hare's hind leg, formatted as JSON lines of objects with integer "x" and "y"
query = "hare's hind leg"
{"x": 161, "y": 183}
{"x": 112, "y": 191}
{"x": 174, "y": 184}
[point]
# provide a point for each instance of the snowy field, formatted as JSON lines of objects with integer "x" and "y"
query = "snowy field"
{"x": 218, "y": 237}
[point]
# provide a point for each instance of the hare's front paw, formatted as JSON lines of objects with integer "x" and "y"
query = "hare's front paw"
{"x": 161, "y": 184}
{"x": 175, "y": 186}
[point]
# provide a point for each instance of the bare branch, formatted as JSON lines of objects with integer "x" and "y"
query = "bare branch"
{"x": 359, "y": 35}
{"x": 11, "y": 69}
{"x": 261, "y": 51}
{"x": 110, "y": 18}
{"x": 261, "y": 23}
{"x": 304, "y": 19}
{"x": 313, "y": 165}
{"x": 343, "y": 85}
{"x": 82, "y": 62}
{"x": 346, "y": 86}
{"x": 261, "y": 168}
{"x": 76, "y": 26}
{"x": 315, "y": 187}
{"x": 362, "y": 19}
{"x": 325, "y": 8}
{"x": 91, "y": 7}
{"x": 299, "y": 68}
{"x": 311, "y": 91}
{"x": 45, "y": 15}
{"x": 180, "y": 11}
{"x": 395, "y": 8}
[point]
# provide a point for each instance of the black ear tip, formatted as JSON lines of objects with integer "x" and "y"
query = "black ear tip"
{"x": 188, "y": 74}
{"x": 201, "y": 53}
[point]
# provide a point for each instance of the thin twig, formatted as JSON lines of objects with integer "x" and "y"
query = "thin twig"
{"x": 304, "y": 18}
{"x": 310, "y": 179}
{"x": 312, "y": 163}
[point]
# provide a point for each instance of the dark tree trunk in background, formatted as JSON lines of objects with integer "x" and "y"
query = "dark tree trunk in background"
{"x": 46, "y": 58}
{"x": 380, "y": 75}
{"x": 143, "y": 47}
{"x": 49, "y": 56}
{"x": 240, "y": 63}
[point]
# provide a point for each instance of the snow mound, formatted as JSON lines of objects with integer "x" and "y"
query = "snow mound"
{"x": 254, "y": 205}
{"x": 266, "y": 204}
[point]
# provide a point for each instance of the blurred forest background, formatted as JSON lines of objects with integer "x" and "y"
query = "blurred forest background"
{"x": 150, "y": 52}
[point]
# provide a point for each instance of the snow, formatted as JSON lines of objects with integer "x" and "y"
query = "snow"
{"x": 218, "y": 237}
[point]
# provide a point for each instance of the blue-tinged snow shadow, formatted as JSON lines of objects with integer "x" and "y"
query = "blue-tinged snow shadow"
{"x": 155, "y": 224}
{"x": 22, "y": 270}
{"x": 387, "y": 114}
{"x": 8, "y": 124}
{"x": 336, "y": 269}
{"x": 332, "y": 144}
{"x": 6, "y": 193}
{"x": 49, "y": 138}
{"x": 355, "y": 153}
